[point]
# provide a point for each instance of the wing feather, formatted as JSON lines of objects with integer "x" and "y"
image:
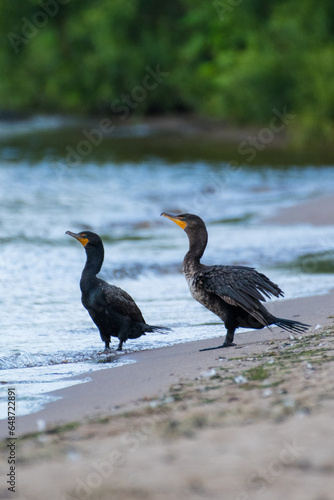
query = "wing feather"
{"x": 120, "y": 301}
{"x": 239, "y": 286}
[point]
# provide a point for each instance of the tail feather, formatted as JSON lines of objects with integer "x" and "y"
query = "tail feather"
{"x": 292, "y": 326}
{"x": 158, "y": 329}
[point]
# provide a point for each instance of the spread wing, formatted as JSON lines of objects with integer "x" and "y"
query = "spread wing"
{"x": 119, "y": 300}
{"x": 239, "y": 286}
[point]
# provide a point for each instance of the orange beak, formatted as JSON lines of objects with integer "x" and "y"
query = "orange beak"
{"x": 175, "y": 218}
{"x": 78, "y": 237}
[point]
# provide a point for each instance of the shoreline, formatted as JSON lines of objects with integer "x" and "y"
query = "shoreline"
{"x": 155, "y": 370}
{"x": 230, "y": 423}
{"x": 68, "y": 406}
{"x": 190, "y": 135}
{"x": 317, "y": 212}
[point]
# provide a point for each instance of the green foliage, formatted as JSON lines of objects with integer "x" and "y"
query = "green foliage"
{"x": 257, "y": 373}
{"x": 227, "y": 58}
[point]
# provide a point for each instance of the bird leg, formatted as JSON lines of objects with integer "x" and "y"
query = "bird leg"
{"x": 229, "y": 337}
{"x": 106, "y": 346}
{"x": 227, "y": 342}
{"x": 123, "y": 334}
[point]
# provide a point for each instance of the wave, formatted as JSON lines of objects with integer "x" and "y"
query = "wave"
{"x": 32, "y": 360}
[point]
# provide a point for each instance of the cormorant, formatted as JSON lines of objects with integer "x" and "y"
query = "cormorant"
{"x": 112, "y": 309}
{"x": 233, "y": 293}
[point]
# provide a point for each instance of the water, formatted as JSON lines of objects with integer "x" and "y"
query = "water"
{"x": 46, "y": 335}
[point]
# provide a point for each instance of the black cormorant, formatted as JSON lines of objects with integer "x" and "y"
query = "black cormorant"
{"x": 113, "y": 311}
{"x": 233, "y": 293}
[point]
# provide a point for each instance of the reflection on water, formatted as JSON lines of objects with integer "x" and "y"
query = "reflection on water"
{"x": 46, "y": 334}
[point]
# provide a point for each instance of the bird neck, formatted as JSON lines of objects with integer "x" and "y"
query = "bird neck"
{"x": 197, "y": 245}
{"x": 94, "y": 261}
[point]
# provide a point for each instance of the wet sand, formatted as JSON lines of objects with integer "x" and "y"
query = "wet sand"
{"x": 126, "y": 387}
{"x": 249, "y": 422}
{"x": 316, "y": 212}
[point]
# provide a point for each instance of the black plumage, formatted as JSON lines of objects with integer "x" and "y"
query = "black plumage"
{"x": 113, "y": 310}
{"x": 234, "y": 293}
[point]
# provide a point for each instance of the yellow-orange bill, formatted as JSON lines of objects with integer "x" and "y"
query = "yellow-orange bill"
{"x": 175, "y": 218}
{"x": 78, "y": 237}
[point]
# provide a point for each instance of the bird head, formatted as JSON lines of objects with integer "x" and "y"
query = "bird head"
{"x": 86, "y": 238}
{"x": 189, "y": 222}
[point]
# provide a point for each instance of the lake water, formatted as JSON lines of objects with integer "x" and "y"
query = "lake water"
{"x": 46, "y": 335}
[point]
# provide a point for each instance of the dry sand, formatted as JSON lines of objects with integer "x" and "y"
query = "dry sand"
{"x": 249, "y": 422}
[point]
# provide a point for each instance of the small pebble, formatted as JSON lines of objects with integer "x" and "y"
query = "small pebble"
{"x": 289, "y": 402}
{"x": 168, "y": 399}
{"x": 209, "y": 373}
{"x": 266, "y": 393}
{"x": 72, "y": 455}
{"x": 282, "y": 391}
{"x": 41, "y": 425}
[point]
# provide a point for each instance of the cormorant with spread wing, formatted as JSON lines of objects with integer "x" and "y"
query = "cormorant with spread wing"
{"x": 112, "y": 309}
{"x": 233, "y": 293}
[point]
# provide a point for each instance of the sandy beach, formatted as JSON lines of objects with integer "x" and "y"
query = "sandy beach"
{"x": 317, "y": 212}
{"x": 249, "y": 422}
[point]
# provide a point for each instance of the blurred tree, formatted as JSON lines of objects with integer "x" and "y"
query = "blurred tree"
{"x": 236, "y": 59}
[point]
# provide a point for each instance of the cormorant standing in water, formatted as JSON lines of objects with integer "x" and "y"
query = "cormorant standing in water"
{"x": 113, "y": 311}
{"x": 233, "y": 293}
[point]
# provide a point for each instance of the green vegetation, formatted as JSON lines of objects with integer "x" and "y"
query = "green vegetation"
{"x": 236, "y": 60}
{"x": 257, "y": 373}
{"x": 313, "y": 263}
